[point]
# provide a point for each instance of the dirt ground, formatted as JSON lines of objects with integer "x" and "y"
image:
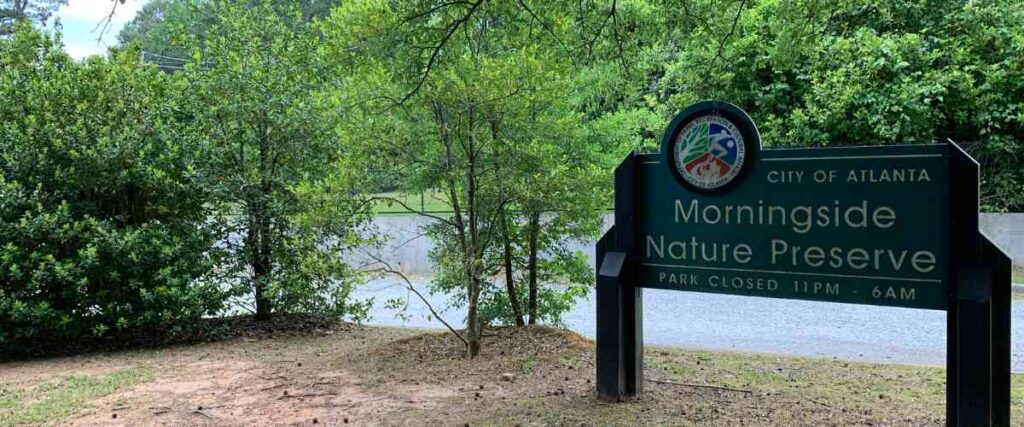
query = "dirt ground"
{"x": 368, "y": 376}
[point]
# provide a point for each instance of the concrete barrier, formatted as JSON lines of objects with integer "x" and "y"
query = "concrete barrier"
{"x": 1007, "y": 231}
{"x": 407, "y": 247}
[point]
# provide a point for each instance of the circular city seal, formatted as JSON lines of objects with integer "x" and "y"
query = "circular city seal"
{"x": 710, "y": 146}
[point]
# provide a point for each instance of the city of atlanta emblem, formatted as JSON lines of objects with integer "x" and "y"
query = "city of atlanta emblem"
{"x": 708, "y": 146}
{"x": 709, "y": 152}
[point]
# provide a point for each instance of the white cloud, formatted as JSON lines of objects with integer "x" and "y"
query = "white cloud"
{"x": 80, "y": 50}
{"x": 82, "y": 21}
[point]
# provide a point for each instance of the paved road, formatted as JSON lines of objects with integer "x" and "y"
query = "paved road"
{"x": 762, "y": 325}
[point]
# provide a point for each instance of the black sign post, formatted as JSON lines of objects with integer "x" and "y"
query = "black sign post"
{"x": 978, "y": 310}
{"x": 894, "y": 226}
{"x": 619, "y": 300}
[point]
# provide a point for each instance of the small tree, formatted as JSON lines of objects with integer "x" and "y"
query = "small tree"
{"x": 256, "y": 78}
{"x": 460, "y": 100}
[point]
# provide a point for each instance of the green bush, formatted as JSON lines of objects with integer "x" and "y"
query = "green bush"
{"x": 853, "y": 72}
{"x": 102, "y": 211}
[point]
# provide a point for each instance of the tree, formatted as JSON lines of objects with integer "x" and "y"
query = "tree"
{"x": 35, "y": 11}
{"x": 167, "y": 28}
{"x": 549, "y": 186}
{"x": 288, "y": 211}
{"x": 103, "y": 211}
{"x": 466, "y": 101}
{"x": 846, "y": 72}
{"x": 555, "y": 200}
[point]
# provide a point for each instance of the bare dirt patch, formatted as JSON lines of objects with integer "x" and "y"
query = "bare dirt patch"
{"x": 287, "y": 380}
{"x": 535, "y": 376}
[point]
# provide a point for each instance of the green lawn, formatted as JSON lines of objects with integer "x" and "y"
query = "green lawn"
{"x": 1018, "y": 275}
{"x": 433, "y": 202}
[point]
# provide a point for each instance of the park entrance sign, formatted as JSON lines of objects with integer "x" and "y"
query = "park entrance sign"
{"x": 888, "y": 225}
{"x": 859, "y": 225}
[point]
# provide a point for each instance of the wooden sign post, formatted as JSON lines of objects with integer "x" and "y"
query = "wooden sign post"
{"x": 886, "y": 225}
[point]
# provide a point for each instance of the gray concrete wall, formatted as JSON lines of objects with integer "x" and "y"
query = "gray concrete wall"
{"x": 1007, "y": 231}
{"x": 407, "y": 248}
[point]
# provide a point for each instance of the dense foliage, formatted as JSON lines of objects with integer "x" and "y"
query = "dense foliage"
{"x": 102, "y": 211}
{"x": 846, "y": 72}
{"x": 135, "y": 198}
{"x": 255, "y": 84}
{"x": 167, "y": 28}
{"x": 489, "y": 130}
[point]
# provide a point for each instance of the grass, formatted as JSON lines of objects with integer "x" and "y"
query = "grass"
{"x": 1018, "y": 278}
{"x": 555, "y": 388}
{"x": 401, "y": 376}
{"x": 54, "y": 402}
{"x": 877, "y": 389}
{"x": 430, "y": 202}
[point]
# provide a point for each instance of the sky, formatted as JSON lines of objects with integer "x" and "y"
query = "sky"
{"x": 82, "y": 22}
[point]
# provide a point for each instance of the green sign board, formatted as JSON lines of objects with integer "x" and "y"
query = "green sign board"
{"x": 858, "y": 225}
{"x": 882, "y": 225}
{"x": 865, "y": 225}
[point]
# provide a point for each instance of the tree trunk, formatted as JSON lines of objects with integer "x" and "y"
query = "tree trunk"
{"x": 510, "y": 284}
{"x": 533, "y": 228}
{"x": 473, "y": 322}
{"x": 466, "y": 237}
{"x": 263, "y": 260}
{"x": 259, "y": 251}
{"x": 472, "y": 338}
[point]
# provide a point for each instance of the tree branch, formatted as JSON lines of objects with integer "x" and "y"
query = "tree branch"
{"x": 713, "y": 387}
{"x": 105, "y": 22}
{"x": 618, "y": 38}
{"x": 416, "y": 16}
{"x": 732, "y": 30}
{"x": 408, "y": 285}
{"x": 547, "y": 27}
{"x": 436, "y": 51}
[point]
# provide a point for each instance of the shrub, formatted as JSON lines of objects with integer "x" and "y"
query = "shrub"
{"x": 102, "y": 210}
